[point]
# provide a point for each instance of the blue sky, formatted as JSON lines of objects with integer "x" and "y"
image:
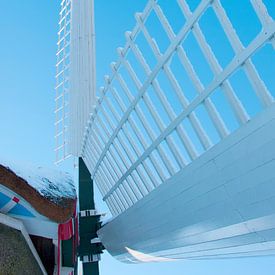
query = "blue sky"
{"x": 27, "y": 67}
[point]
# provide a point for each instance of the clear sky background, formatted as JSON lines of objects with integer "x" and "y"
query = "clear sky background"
{"x": 28, "y": 31}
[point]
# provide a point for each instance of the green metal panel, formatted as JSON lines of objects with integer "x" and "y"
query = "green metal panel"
{"x": 67, "y": 253}
{"x": 88, "y": 226}
{"x": 91, "y": 268}
{"x": 86, "y": 190}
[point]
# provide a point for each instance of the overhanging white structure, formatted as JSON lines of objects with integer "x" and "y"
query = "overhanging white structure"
{"x": 181, "y": 155}
{"x": 220, "y": 206}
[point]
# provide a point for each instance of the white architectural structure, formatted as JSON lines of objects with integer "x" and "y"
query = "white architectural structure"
{"x": 75, "y": 76}
{"x": 175, "y": 189}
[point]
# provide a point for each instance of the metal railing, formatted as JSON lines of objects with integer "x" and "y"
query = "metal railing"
{"x": 62, "y": 82}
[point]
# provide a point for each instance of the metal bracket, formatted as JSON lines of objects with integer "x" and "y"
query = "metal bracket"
{"x": 91, "y": 258}
{"x": 95, "y": 241}
{"x": 90, "y": 213}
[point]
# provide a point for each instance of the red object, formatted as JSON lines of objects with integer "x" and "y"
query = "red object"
{"x": 15, "y": 199}
{"x": 65, "y": 232}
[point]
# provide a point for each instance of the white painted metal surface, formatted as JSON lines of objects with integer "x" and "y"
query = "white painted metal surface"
{"x": 220, "y": 206}
{"x": 136, "y": 140}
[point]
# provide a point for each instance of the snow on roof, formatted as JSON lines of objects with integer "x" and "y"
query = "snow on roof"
{"x": 52, "y": 184}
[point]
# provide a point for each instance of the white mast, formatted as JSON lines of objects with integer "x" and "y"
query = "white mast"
{"x": 83, "y": 71}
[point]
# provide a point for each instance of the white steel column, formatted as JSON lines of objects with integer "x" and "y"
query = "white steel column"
{"x": 83, "y": 71}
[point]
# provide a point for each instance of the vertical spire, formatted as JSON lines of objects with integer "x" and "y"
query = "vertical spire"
{"x": 83, "y": 71}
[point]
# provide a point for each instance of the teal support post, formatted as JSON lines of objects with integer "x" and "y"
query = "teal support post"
{"x": 89, "y": 223}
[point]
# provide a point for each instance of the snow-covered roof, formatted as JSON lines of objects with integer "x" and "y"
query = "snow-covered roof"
{"x": 51, "y": 184}
{"x": 51, "y": 193}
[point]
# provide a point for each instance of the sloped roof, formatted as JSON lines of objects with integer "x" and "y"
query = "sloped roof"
{"x": 51, "y": 193}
